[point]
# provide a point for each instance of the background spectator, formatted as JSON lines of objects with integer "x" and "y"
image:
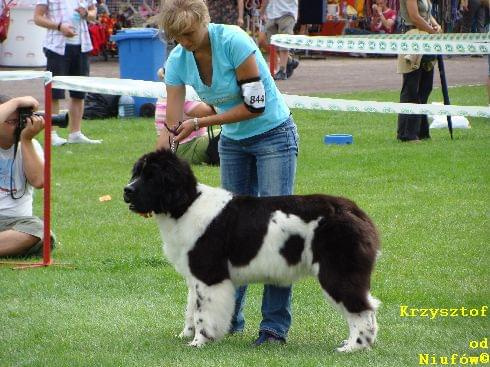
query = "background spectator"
{"x": 417, "y": 83}
{"x": 474, "y": 12}
{"x": 280, "y": 17}
{"x": 21, "y": 169}
{"x": 226, "y": 11}
{"x": 67, "y": 46}
{"x": 382, "y": 21}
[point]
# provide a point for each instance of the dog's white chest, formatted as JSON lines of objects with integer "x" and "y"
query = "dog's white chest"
{"x": 180, "y": 235}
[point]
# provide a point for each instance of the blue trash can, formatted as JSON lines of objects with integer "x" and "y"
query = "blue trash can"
{"x": 141, "y": 54}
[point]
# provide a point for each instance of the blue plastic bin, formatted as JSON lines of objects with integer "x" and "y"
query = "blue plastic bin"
{"x": 340, "y": 139}
{"x": 141, "y": 54}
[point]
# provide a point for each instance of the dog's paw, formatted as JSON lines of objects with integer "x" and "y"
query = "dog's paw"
{"x": 197, "y": 342}
{"x": 347, "y": 347}
{"x": 187, "y": 333}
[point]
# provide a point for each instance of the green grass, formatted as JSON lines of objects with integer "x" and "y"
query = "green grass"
{"x": 123, "y": 304}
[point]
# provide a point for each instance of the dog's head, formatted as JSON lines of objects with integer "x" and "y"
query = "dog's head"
{"x": 161, "y": 183}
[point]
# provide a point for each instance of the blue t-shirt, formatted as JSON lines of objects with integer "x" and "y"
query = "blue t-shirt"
{"x": 230, "y": 47}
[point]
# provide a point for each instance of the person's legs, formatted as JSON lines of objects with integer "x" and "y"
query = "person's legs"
{"x": 55, "y": 106}
{"x": 271, "y": 28}
{"x": 480, "y": 18}
{"x": 469, "y": 15}
{"x": 238, "y": 175}
{"x": 14, "y": 243}
{"x": 22, "y": 236}
{"x": 78, "y": 66}
{"x": 276, "y": 154}
{"x": 56, "y": 64}
{"x": 285, "y": 25}
{"x": 425, "y": 88}
{"x": 409, "y": 125}
{"x": 75, "y": 111}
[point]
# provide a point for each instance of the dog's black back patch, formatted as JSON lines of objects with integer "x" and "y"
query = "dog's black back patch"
{"x": 292, "y": 249}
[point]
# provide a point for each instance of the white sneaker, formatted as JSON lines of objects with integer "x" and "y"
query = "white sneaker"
{"x": 79, "y": 138}
{"x": 56, "y": 140}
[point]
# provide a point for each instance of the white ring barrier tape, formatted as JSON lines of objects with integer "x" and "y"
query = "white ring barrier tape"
{"x": 387, "y": 44}
{"x": 461, "y": 37}
{"x": 26, "y": 74}
{"x": 141, "y": 88}
{"x": 316, "y": 103}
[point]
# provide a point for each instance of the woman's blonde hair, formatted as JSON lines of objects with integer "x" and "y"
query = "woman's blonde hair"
{"x": 177, "y": 16}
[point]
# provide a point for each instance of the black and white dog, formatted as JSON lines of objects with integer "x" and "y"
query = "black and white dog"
{"x": 218, "y": 241}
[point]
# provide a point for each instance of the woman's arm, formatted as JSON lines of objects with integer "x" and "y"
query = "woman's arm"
{"x": 417, "y": 20}
{"x": 247, "y": 70}
{"x": 175, "y": 111}
{"x": 433, "y": 22}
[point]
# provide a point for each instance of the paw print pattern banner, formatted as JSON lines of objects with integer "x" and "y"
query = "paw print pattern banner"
{"x": 411, "y": 44}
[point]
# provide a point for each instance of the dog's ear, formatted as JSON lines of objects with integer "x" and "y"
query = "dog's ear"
{"x": 179, "y": 185}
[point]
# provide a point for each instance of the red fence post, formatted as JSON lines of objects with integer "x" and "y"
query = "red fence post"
{"x": 47, "y": 174}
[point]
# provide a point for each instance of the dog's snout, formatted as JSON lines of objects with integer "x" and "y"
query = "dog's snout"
{"x": 128, "y": 193}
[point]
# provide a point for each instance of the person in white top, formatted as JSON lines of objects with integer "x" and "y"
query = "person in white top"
{"x": 67, "y": 45}
{"x": 21, "y": 170}
{"x": 280, "y": 17}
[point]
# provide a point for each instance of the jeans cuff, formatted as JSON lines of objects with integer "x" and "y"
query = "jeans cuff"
{"x": 273, "y": 332}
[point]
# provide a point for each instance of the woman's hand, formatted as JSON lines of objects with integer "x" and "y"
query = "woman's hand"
{"x": 184, "y": 130}
{"x": 437, "y": 28}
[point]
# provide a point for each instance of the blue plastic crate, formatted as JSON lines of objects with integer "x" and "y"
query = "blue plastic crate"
{"x": 141, "y": 54}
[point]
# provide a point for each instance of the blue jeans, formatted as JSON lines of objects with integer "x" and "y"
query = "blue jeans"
{"x": 262, "y": 165}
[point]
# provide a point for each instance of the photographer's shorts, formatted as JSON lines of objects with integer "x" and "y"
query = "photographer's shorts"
{"x": 282, "y": 25}
{"x": 30, "y": 225}
{"x": 72, "y": 63}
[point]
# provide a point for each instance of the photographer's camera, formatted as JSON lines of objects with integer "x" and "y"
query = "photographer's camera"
{"x": 60, "y": 120}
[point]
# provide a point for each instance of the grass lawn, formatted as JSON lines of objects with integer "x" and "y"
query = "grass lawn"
{"x": 123, "y": 304}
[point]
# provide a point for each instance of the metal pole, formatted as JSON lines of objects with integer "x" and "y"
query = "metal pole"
{"x": 442, "y": 74}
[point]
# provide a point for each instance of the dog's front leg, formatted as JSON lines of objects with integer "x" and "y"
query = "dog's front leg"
{"x": 189, "y": 328}
{"x": 214, "y": 306}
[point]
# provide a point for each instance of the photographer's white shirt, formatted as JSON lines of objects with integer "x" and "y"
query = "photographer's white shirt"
{"x": 20, "y": 187}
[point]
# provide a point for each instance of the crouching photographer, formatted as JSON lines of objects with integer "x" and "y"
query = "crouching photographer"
{"x": 21, "y": 170}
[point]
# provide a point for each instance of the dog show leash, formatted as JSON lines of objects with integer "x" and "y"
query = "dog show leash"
{"x": 173, "y": 146}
